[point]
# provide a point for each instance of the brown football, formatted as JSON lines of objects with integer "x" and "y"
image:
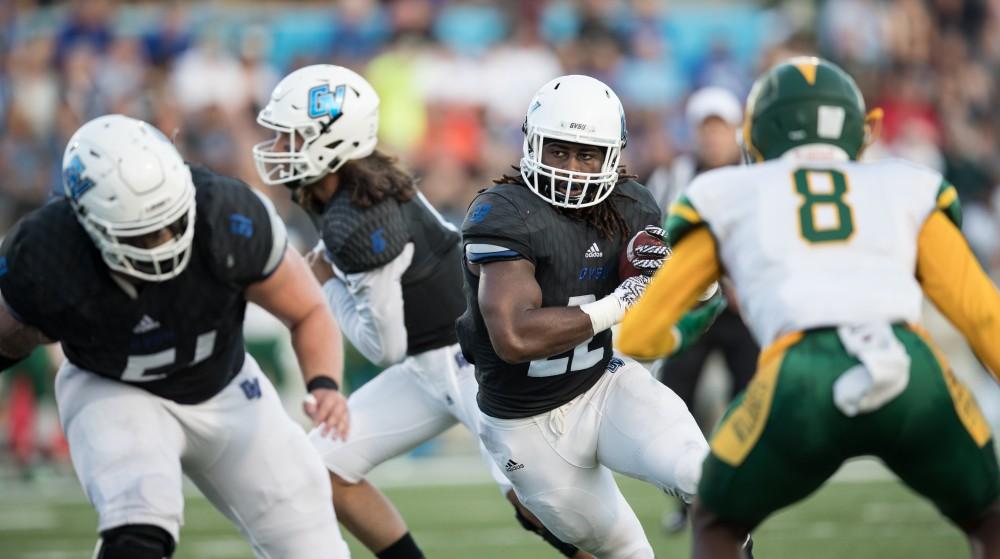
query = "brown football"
{"x": 625, "y": 268}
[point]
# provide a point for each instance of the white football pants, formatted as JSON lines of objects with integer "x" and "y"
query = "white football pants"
{"x": 560, "y": 462}
{"x": 251, "y": 460}
{"x": 405, "y": 405}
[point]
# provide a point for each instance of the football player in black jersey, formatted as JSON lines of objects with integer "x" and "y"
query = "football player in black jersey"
{"x": 143, "y": 272}
{"x": 560, "y": 410}
{"x": 391, "y": 270}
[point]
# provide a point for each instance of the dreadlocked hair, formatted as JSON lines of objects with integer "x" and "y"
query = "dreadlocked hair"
{"x": 604, "y": 216}
{"x": 372, "y": 179}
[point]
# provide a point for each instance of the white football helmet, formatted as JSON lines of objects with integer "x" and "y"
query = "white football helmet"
{"x": 323, "y": 116}
{"x": 124, "y": 179}
{"x": 577, "y": 109}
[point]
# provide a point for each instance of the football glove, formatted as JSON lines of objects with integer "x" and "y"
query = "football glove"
{"x": 629, "y": 291}
{"x": 696, "y": 322}
{"x": 610, "y": 310}
{"x": 648, "y": 255}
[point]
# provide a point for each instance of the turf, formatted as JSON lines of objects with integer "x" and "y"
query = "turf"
{"x": 870, "y": 520}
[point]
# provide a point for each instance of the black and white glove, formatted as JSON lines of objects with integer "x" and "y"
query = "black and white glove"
{"x": 610, "y": 310}
{"x": 629, "y": 291}
{"x": 648, "y": 250}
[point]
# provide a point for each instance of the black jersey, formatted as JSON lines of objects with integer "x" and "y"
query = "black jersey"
{"x": 359, "y": 240}
{"x": 573, "y": 265}
{"x": 181, "y": 339}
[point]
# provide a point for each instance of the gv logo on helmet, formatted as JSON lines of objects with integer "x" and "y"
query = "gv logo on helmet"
{"x": 76, "y": 183}
{"x": 324, "y": 103}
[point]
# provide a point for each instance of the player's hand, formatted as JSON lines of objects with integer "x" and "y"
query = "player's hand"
{"x": 629, "y": 291}
{"x": 328, "y": 410}
{"x": 320, "y": 266}
{"x": 649, "y": 250}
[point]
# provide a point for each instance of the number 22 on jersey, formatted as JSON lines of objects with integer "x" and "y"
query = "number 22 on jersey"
{"x": 580, "y": 358}
{"x": 824, "y": 216}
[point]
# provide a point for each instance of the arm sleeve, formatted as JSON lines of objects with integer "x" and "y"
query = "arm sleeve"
{"x": 369, "y": 307}
{"x": 647, "y": 330}
{"x": 953, "y": 280}
{"x": 494, "y": 230}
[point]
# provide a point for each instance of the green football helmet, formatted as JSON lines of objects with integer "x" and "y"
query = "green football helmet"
{"x": 806, "y": 100}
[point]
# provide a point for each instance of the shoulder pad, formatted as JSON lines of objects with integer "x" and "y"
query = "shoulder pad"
{"x": 36, "y": 256}
{"x": 682, "y": 218}
{"x": 947, "y": 202}
{"x": 243, "y": 234}
{"x": 496, "y": 227}
{"x": 362, "y": 239}
{"x": 637, "y": 192}
{"x": 637, "y": 205}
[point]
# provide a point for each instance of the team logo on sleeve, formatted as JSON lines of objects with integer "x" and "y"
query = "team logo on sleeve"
{"x": 479, "y": 213}
{"x": 241, "y": 225}
{"x": 323, "y": 102}
{"x": 76, "y": 183}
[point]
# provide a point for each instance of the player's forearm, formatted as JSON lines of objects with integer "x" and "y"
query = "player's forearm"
{"x": 539, "y": 333}
{"x": 956, "y": 284}
{"x": 318, "y": 345}
{"x": 373, "y": 323}
{"x": 17, "y": 339}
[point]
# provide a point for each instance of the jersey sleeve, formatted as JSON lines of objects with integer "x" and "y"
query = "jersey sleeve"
{"x": 363, "y": 239}
{"x": 649, "y": 328}
{"x": 18, "y": 282}
{"x": 494, "y": 230}
{"x": 682, "y": 219}
{"x": 953, "y": 280}
{"x": 947, "y": 202}
{"x": 247, "y": 238}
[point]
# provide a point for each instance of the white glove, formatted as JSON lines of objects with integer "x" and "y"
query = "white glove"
{"x": 611, "y": 309}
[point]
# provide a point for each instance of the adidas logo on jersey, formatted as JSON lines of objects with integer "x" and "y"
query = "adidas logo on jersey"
{"x": 146, "y": 324}
{"x": 512, "y": 466}
{"x": 594, "y": 252}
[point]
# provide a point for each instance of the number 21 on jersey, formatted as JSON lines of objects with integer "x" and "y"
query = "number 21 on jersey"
{"x": 824, "y": 216}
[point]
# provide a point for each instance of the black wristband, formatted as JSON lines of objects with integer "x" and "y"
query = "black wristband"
{"x": 322, "y": 382}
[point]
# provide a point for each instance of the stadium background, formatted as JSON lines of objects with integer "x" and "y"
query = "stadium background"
{"x": 455, "y": 79}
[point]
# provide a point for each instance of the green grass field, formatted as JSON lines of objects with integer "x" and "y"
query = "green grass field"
{"x": 868, "y": 520}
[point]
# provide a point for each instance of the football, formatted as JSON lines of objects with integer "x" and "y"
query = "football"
{"x": 626, "y": 264}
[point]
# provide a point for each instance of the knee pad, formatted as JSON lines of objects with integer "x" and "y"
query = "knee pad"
{"x": 581, "y": 518}
{"x": 135, "y": 541}
{"x": 566, "y": 549}
{"x": 573, "y": 516}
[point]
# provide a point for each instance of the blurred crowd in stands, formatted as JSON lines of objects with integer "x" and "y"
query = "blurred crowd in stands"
{"x": 455, "y": 79}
